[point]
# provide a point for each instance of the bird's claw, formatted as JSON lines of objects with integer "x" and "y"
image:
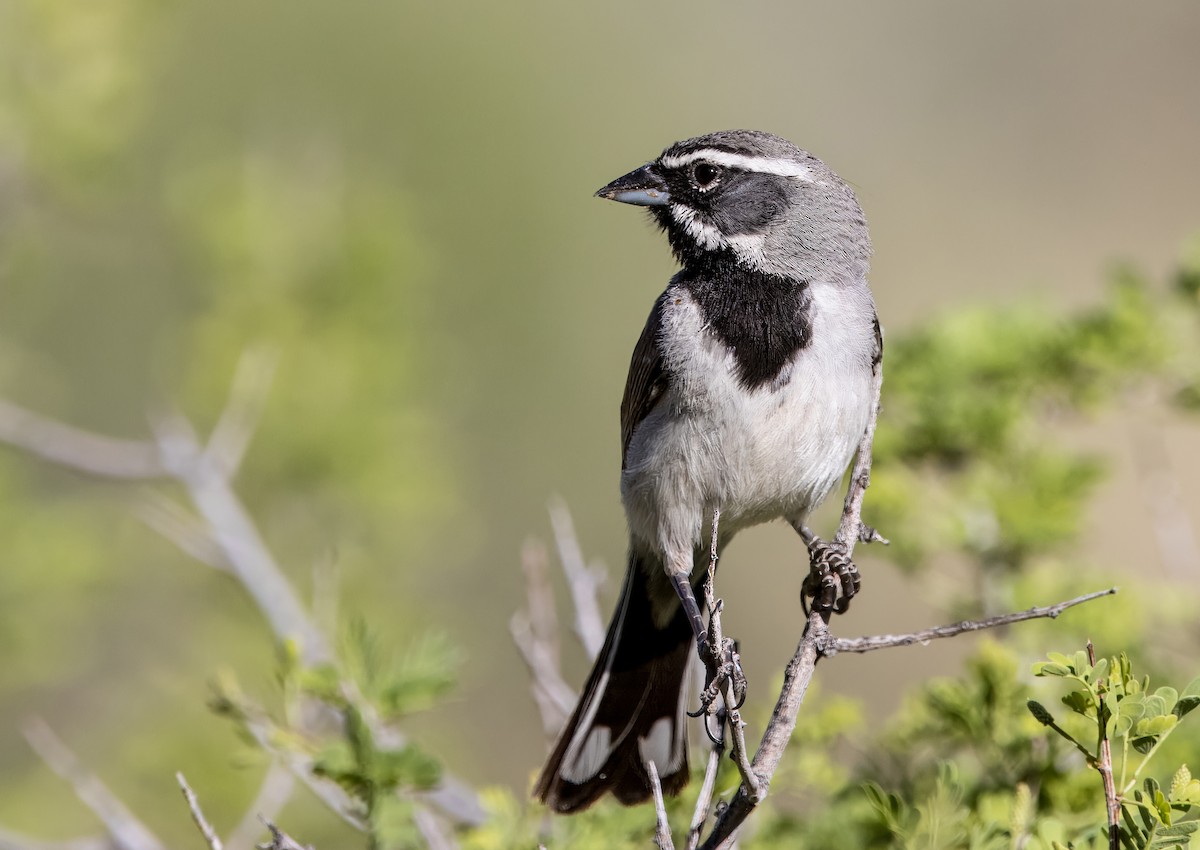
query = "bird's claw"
{"x": 833, "y": 579}
{"x": 722, "y": 667}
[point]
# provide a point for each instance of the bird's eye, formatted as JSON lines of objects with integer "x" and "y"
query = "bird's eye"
{"x": 705, "y": 174}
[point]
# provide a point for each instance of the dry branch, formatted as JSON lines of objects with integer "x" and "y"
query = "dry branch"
{"x": 125, "y": 830}
{"x": 202, "y": 824}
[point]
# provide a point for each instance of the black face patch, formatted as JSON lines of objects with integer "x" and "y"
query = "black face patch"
{"x": 763, "y": 319}
{"x": 748, "y": 202}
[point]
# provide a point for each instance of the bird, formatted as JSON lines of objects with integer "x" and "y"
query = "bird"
{"x": 748, "y": 391}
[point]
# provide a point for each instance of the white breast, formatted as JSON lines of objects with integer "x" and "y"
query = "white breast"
{"x": 759, "y": 454}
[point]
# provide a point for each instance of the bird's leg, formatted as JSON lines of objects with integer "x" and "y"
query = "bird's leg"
{"x": 833, "y": 579}
{"x": 719, "y": 654}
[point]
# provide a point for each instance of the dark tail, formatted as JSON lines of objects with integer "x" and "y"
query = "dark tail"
{"x": 632, "y": 709}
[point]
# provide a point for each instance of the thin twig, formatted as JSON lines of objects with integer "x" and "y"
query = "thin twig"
{"x": 126, "y": 831}
{"x": 433, "y": 830}
{"x": 276, "y": 789}
{"x": 180, "y": 526}
{"x": 10, "y": 840}
{"x": 704, "y": 799}
{"x": 733, "y": 718}
{"x": 280, "y": 840}
{"x": 535, "y": 632}
{"x": 83, "y": 451}
{"x": 237, "y": 536}
{"x": 1104, "y": 765}
{"x": 868, "y": 644}
{"x": 662, "y": 827}
{"x": 177, "y": 453}
{"x": 210, "y": 834}
{"x": 584, "y": 581}
{"x": 231, "y": 436}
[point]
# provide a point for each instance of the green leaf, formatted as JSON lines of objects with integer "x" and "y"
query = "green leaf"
{"x": 392, "y": 824}
{"x": 321, "y": 682}
{"x": 1189, "y": 699}
{"x": 1169, "y": 697}
{"x": 1174, "y": 837}
{"x": 408, "y": 767}
{"x": 1155, "y": 726}
{"x": 1050, "y": 668}
{"x": 1081, "y": 702}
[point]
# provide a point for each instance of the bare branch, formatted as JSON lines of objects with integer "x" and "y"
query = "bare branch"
{"x": 716, "y": 638}
{"x": 15, "y": 841}
{"x": 433, "y": 831}
{"x": 210, "y": 834}
{"x": 237, "y": 537}
{"x": 535, "y": 633}
{"x": 224, "y": 535}
{"x": 867, "y": 644}
{"x": 584, "y": 581}
{"x": 1104, "y": 766}
{"x": 247, "y": 397}
{"x": 662, "y": 827}
{"x": 75, "y": 448}
{"x": 280, "y": 840}
{"x": 127, "y": 832}
{"x": 704, "y": 799}
{"x": 273, "y": 794}
{"x": 164, "y": 515}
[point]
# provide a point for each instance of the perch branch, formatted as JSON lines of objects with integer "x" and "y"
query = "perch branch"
{"x": 799, "y": 671}
{"x": 716, "y": 636}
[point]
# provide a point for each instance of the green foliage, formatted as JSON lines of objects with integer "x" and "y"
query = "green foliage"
{"x": 364, "y": 754}
{"x": 966, "y": 399}
{"x": 1121, "y": 713}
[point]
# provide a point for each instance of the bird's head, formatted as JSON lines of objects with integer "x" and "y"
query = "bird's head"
{"x": 754, "y": 198}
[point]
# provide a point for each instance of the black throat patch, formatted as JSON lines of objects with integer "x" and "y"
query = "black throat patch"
{"x": 763, "y": 319}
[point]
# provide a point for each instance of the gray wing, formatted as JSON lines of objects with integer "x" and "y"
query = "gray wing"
{"x": 647, "y": 380}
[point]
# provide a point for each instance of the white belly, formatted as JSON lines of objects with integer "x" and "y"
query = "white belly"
{"x": 758, "y": 455}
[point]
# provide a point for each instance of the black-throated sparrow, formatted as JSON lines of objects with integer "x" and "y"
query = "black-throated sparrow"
{"x": 748, "y": 391}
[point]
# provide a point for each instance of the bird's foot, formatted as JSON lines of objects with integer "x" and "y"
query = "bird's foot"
{"x": 833, "y": 579}
{"x": 722, "y": 667}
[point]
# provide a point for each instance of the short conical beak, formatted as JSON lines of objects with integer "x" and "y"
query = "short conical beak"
{"x": 643, "y": 187}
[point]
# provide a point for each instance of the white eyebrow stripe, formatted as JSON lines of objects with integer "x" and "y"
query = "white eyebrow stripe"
{"x": 760, "y": 164}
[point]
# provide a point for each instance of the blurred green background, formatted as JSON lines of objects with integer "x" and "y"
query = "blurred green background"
{"x": 396, "y": 198}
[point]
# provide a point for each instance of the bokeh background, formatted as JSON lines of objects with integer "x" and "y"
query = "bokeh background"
{"x": 395, "y": 198}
